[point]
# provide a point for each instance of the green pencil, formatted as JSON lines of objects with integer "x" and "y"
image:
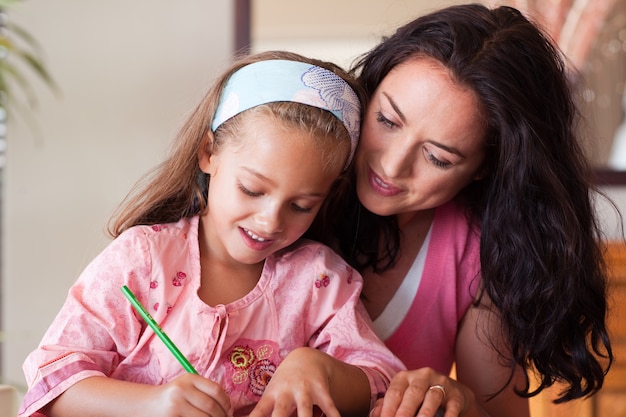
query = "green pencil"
{"x": 157, "y": 330}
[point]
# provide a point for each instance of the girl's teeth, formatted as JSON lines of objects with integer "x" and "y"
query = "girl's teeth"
{"x": 255, "y": 237}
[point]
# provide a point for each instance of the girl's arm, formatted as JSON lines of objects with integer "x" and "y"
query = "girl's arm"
{"x": 187, "y": 395}
{"x": 309, "y": 377}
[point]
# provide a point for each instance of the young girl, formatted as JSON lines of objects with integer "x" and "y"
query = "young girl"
{"x": 210, "y": 247}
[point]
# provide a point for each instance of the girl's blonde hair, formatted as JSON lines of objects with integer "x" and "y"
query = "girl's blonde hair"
{"x": 177, "y": 187}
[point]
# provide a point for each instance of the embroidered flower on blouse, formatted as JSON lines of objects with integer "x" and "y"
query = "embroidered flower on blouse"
{"x": 350, "y": 272}
{"x": 177, "y": 281}
{"x": 252, "y": 365}
{"x": 241, "y": 357}
{"x": 322, "y": 281}
{"x": 260, "y": 375}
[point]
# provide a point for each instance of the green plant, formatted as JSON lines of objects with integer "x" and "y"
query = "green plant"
{"x": 19, "y": 51}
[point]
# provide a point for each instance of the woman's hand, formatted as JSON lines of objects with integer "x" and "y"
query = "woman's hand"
{"x": 421, "y": 393}
{"x": 309, "y": 378}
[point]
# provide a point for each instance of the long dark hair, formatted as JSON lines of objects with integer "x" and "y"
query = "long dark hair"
{"x": 541, "y": 255}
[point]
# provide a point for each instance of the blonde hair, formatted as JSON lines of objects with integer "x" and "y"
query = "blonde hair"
{"x": 177, "y": 187}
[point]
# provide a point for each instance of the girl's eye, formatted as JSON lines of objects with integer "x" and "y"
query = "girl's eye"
{"x": 437, "y": 162}
{"x": 248, "y": 192}
{"x": 384, "y": 121}
{"x": 294, "y": 206}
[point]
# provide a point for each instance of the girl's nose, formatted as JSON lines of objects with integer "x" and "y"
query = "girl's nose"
{"x": 269, "y": 219}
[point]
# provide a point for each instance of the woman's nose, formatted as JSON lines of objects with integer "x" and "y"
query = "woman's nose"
{"x": 397, "y": 160}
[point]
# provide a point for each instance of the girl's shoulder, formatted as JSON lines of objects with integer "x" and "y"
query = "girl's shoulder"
{"x": 306, "y": 249}
{"x": 309, "y": 255}
{"x": 154, "y": 243}
{"x": 184, "y": 228}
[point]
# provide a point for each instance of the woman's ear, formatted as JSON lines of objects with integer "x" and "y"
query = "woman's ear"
{"x": 205, "y": 151}
{"x": 482, "y": 172}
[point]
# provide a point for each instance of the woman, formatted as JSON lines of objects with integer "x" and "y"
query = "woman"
{"x": 476, "y": 233}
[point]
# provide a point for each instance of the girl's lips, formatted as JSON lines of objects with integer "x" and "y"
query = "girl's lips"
{"x": 381, "y": 187}
{"x": 254, "y": 241}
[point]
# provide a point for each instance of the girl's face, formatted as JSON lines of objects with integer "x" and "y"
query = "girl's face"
{"x": 421, "y": 140}
{"x": 264, "y": 191}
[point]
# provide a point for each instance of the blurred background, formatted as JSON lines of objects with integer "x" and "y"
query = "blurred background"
{"x": 128, "y": 72}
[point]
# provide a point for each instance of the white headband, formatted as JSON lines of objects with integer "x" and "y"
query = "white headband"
{"x": 282, "y": 80}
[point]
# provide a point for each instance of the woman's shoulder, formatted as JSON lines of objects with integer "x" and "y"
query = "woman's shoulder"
{"x": 454, "y": 219}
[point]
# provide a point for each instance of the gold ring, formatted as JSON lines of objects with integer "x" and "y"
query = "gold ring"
{"x": 440, "y": 388}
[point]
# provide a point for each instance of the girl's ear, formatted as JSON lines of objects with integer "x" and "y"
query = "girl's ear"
{"x": 205, "y": 152}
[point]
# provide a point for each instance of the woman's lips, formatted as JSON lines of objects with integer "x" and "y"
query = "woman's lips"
{"x": 381, "y": 187}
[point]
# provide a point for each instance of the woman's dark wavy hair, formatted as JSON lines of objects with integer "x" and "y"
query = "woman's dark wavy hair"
{"x": 541, "y": 254}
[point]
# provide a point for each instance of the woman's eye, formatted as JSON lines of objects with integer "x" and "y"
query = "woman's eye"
{"x": 301, "y": 209}
{"x": 248, "y": 192}
{"x": 384, "y": 121}
{"x": 437, "y": 162}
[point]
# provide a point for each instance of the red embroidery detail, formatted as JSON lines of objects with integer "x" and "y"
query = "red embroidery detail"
{"x": 177, "y": 281}
{"x": 58, "y": 358}
{"x": 323, "y": 280}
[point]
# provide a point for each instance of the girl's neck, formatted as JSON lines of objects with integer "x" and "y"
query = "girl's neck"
{"x": 224, "y": 281}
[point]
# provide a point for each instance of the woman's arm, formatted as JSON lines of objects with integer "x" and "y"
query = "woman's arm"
{"x": 479, "y": 367}
{"x": 187, "y": 395}
{"x": 480, "y": 374}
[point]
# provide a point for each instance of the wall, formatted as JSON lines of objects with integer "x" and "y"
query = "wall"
{"x": 128, "y": 72}
{"x": 338, "y": 31}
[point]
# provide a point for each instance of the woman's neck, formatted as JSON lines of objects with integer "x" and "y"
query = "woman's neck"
{"x": 379, "y": 289}
{"x": 415, "y": 220}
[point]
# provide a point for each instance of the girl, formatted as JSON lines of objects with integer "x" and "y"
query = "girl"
{"x": 210, "y": 245}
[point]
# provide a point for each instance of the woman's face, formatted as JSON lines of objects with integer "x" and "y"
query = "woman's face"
{"x": 421, "y": 141}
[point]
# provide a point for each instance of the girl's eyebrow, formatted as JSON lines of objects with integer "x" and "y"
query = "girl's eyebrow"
{"x": 395, "y": 107}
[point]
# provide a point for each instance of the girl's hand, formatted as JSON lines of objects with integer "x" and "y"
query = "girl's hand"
{"x": 300, "y": 382}
{"x": 422, "y": 393}
{"x": 188, "y": 395}
{"x": 309, "y": 378}
{"x": 191, "y": 395}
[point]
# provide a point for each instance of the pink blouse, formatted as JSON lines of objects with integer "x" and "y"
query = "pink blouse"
{"x": 426, "y": 336}
{"x": 306, "y": 296}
